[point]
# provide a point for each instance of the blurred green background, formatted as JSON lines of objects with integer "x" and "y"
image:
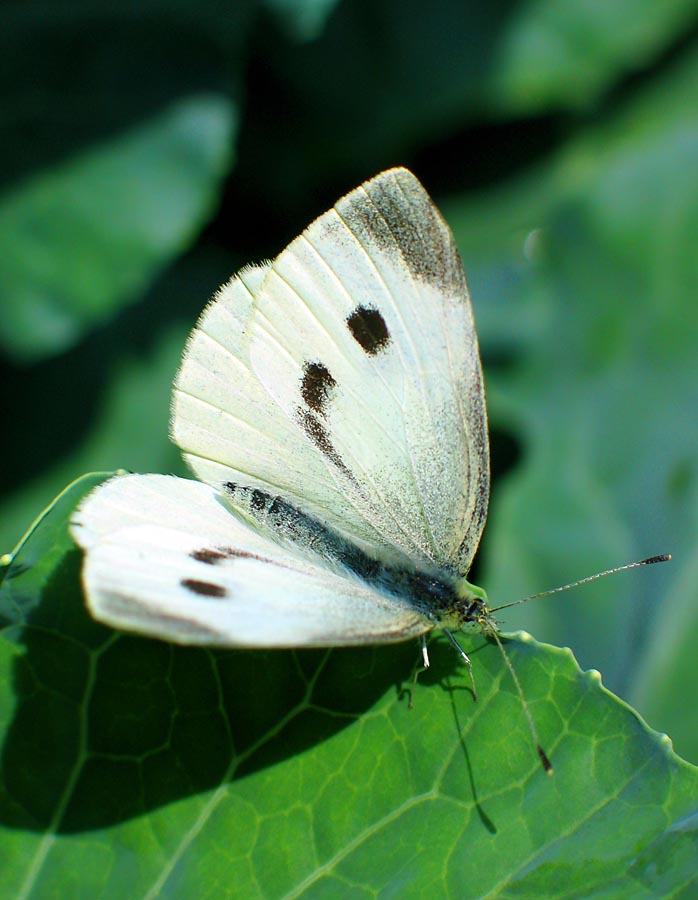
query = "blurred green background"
{"x": 150, "y": 149}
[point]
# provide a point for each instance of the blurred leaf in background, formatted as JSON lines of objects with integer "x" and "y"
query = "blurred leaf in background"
{"x": 149, "y": 150}
{"x": 75, "y": 252}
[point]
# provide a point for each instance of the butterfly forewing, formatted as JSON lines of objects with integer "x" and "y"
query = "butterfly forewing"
{"x": 354, "y": 388}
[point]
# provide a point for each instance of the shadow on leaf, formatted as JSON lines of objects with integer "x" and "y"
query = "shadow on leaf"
{"x": 108, "y": 726}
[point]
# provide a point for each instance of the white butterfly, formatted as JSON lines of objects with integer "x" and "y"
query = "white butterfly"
{"x": 331, "y": 404}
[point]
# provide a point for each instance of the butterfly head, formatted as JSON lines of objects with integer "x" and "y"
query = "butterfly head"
{"x": 468, "y": 608}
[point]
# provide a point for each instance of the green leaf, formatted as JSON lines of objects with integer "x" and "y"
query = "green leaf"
{"x": 155, "y": 770}
{"x": 303, "y": 19}
{"x": 560, "y": 53}
{"x": 83, "y": 239}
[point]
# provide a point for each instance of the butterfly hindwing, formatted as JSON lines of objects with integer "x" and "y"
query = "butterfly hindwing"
{"x": 167, "y": 558}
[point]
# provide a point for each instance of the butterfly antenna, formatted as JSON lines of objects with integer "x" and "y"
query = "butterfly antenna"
{"x": 651, "y": 560}
{"x": 545, "y": 762}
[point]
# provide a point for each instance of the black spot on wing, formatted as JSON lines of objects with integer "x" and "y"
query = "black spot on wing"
{"x": 258, "y": 500}
{"x": 203, "y": 588}
{"x": 218, "y": 555}
{"x": 317, "y": 385}
{"x": 318, "y": 434}
{"x": 210, "y": 557}
{"x": 368, "y": 329}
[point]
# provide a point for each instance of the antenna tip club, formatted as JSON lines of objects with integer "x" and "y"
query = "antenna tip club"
{"x": 663, "y": 557}
{"x": 544, "y": 760}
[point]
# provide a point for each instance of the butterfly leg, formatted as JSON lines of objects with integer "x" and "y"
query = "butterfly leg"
{"x": 415, "y": 674}
{"x": 464, "y": 656}
{"x": 425, "y": 654}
